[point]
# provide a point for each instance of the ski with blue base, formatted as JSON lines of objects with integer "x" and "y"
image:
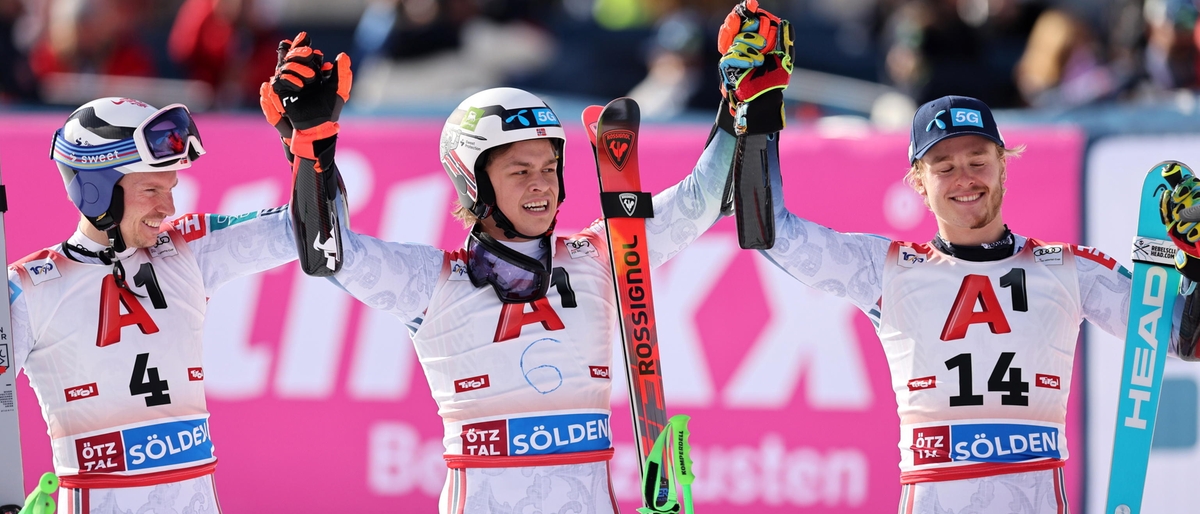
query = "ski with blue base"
{"x": 1147, "y": 337}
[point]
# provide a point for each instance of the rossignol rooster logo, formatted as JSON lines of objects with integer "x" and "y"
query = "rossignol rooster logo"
{"x": 628, "y": 202}
{"x": 618, "y": 144}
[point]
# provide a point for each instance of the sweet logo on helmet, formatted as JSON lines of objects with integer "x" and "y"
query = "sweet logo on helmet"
{"x": 618, "y": 144}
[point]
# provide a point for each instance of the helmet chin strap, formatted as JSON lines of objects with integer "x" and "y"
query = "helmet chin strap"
{"x": 115, "y": 240}
{"x": 511, "y": 232}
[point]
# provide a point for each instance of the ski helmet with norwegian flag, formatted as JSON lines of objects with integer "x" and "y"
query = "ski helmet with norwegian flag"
{"x": 484, "y": 121}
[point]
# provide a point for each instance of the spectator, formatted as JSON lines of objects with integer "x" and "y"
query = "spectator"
{"x": 16, "y": 79}
{"x": 1171, "y": 56}
{"x": 1062, "y": 64}
{"x": 228, "y": 44}
{"x": 93, "y": 36}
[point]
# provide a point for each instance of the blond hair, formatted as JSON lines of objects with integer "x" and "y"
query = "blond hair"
{"x": 913, "y": 177}
{"x": 464, "y": 215}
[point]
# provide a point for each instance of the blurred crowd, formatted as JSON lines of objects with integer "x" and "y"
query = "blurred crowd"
{"x": 1011, "y": 53}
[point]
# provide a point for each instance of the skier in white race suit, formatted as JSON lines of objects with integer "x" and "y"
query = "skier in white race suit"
{"x": 107, "y": 324}
{"x": 514, "y": 330}
{"x": 979, "y": 325}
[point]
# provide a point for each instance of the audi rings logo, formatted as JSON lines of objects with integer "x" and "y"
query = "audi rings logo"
{"x": 1047, "y": 250}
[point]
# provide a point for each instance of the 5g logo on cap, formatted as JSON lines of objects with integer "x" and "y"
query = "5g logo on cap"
{"x": 960, "y": 117}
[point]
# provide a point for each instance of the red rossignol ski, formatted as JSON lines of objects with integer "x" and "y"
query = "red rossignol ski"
{"x": 614, "y": 133}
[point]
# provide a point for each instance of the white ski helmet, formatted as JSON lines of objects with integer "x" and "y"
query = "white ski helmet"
{"x": 484, "y": 121}
{"x": 105, "y": 139}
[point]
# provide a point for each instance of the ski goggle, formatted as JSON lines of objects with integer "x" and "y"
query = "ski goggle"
{"x": 516, "y": 277}
{"x": 167, "y": 136}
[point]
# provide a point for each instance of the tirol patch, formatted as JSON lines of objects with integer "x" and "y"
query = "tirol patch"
{"x": 618, "y": 144}
{"x": 164, "y": 247}
{"x": 1050, "y": 255}
{"x": 42, "y": 270}
{"x": 581, "y": 247}
{"x": 458, "y": 270}
{"x": 471, "y": 119}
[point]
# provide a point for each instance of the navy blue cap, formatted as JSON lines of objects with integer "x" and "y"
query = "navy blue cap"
{"x": 950, "y": 116}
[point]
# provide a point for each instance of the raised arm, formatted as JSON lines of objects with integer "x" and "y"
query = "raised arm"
{"x": 685, "y": 210}
{"x": 228, "y": 247}
{"x": 398, "y": 278}
{"x": 845, "y": 265}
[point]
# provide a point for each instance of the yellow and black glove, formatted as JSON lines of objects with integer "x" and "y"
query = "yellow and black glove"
{"x": 1180, "y": 210}
{"x": 757, "y": 51}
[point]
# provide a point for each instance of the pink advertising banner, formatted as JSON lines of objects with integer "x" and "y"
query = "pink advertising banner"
{"x": 317, "y": 401}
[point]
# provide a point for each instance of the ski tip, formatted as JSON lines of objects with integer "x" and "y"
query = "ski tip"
{"x": 622, "y": 109}
{"x": 591, "y": 117}
{"x": 1173, "y": 171}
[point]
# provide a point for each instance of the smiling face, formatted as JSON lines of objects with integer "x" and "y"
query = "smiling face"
{"x": 962, "y": 180}
{"x": 525, "y": 179}
{"x": 148, "y": 201}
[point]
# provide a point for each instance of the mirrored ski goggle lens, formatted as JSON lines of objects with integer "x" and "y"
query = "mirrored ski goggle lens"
{"x": 517, "y": 283}
{"x": 167, "y": 134}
